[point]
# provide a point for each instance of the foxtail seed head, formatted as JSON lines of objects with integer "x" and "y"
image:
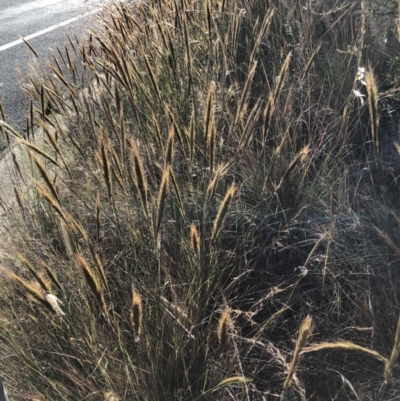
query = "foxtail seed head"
{"x": 137, "y": 314}
{"x": 194, "y": 239}
{"x": 302, "y": 339}
{"x": 224, "y": 326}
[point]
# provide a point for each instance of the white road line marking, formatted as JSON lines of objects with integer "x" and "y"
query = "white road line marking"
{"x": 51, "y": 28}
{"x": 26, "y": 7}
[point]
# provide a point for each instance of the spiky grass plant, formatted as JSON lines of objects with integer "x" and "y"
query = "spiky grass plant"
{"x": 202, "y": 153}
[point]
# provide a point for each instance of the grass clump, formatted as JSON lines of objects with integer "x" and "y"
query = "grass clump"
{"x": 212, "y": 174}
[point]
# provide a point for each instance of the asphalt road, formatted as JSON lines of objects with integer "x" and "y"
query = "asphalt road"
{"x": 28, "y": 18}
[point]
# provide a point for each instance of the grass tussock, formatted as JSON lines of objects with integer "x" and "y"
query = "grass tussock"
{"x": 196, "y": 180}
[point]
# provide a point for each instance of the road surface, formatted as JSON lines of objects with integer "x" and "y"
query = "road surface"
{"x": 44, "y": 23}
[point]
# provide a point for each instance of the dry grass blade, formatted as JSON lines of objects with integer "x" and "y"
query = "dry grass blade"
{"x": 261, "y": 34}
{"x": 208, "y": 7}
{"x": 105, "y": 161}
{"x": 69, "y": 245}
{"x": 43, "y": 172}
{"x": 209, "y": 110}
{"x": 43, "y": 283}
{"x": 398, "y": 22}
{"x": 9, "y": 129}
{"x": 170, "y": 147}
{"x": 397, "y": 146}
{"x": 31, "y": 119}
{"x": 98, "y": 215}
{"x": 302, "y": 339}
{"x": 63, "y": 80}
{"x": 100, "y": 268}
{"x": 16, "y": 165}
{"x": 19, "y": 200}
{"x": 223, "y": 208}
{"x": 157, "y": 130}
{"x": 53, "y": 277}
{"x": 225, "y": 383}
{"x": 212, "y": 186}
{"x": 231, "y": 380}
{"x": 92, "y": 282}
{"x": 211, "y": 140}
{"x": 345, "y": 346}
{"x": 50, "y": 200}
{"x": 311, "y": 59}
{"x": 248, "y": 129}
{"x": 42, "y": 104}
{"x": 272, "y": 98}
{"x": 32, "y": 290}
{"x": 171, "y": 116}
{"x": 177, "y": 193}
{"x": 372, "y": 90}
{"x": 37, "y": 150}
{"x": 317, "y": 244}
{"x": 388, "y": 241}
{"x": 282, "y": 76}
{"x": 153, "y": 78}
{"x": 139, "y": 176}
{"x": 162, "y": 195}
{"x": 95, "y": 257}
{"x": 55, "y": 146}
{"x": 30, "y": 47}
{"x": 3, "y": 117}
{"x": 269, "y": 108}
{"x": 269, "y": 322}
{"x": 242, "y": 108}
{"x": 192, "y": 134}
{"x": 394, "y": 356}
{"x": 298, "y": 159}
{"x": 188, "y": 56}
{"x": 117, "y": 172}
{"x": 117, "y": 163}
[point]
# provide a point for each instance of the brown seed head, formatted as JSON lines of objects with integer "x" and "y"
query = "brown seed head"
{"x": 194, "y": 239}
{"x": 224, "y": 326}
{"x": 137, "y": 313}
{"x": 223, "y": 208}
{"x": 304, "y": 334}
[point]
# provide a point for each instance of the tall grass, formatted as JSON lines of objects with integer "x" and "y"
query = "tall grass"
{"x": 203, "y": 185}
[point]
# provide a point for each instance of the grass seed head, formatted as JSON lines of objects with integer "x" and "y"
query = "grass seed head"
{"x": 92, "y": 281}
{"x": 105, "y": 161}
{"x": 223, "y": 208}
{"x": 34, "y": 291}
{"x": 170, "y": 146}
{"x": 194, "y": 239}
{"x": 162, "y": 195}
{"x": 224, "y": 327}
{"x": 137, "y": 313}
{"x": 302, "y": 339}
{"x": 52, "y": 275}
{"x": 372, "y": 90}
{"x": 44, "y": 284}
{"x": 110, "y": 396}
{"x": 139, "y": 176}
